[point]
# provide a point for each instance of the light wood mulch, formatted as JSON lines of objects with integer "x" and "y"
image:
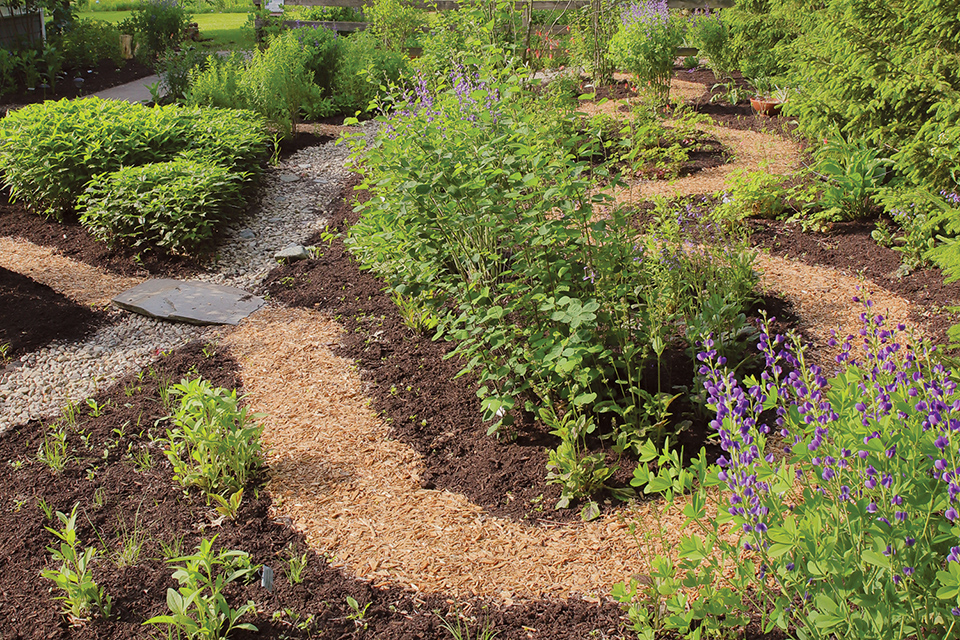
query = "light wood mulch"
{"x": 354, "y": 492}
{"x": 78, "y": 281}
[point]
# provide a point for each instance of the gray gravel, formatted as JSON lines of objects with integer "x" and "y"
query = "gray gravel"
{"x": 295, "y": 198}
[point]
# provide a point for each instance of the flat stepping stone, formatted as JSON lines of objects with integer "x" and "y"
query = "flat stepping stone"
{"x": 192, "y": 302}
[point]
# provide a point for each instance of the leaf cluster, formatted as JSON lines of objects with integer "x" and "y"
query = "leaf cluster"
{"x": 81, "y": 595}
{"x": 198, "y": 608}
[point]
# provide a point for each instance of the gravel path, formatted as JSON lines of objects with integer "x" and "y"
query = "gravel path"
{"x": 294, "y": 200}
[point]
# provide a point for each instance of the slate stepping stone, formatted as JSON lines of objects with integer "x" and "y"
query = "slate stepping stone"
{"x": 192, "y": 302}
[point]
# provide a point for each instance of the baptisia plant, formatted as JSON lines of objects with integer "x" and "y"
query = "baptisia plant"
{"x": 838, "y": 516}
{"x": 646, "y": 44}
{"x": 855, "y": 527}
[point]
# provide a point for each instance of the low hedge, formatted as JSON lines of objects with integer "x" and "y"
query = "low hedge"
{"x": 174, "y": 205}
{"x": 50, "y": 151}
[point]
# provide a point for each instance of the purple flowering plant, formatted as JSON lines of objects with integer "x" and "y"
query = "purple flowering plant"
{"x": 646, "y": 44}
{"x": 842, "y": 491}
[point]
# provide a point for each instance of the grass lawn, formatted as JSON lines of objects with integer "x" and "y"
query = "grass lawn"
{"x": 220, "y": 31}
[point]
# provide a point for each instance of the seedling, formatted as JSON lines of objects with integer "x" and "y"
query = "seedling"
{"x": 53, "y": 451}
{"x": 97, "y": 409}
{"x": 295, "y": 565}
{"x": 358, "y": 614}
{"x": 82, "y": 597}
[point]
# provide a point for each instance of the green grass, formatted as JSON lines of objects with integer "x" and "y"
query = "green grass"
{"x": 192, "y": 6}
{"x": 226, "y": 31}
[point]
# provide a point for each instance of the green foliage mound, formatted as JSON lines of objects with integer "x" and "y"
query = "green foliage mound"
{"x": 174, "y": 205}
{"x": 50, "y": 151}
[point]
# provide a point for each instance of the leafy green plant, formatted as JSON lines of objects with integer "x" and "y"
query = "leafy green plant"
{"x": 851, "y": 532}
{"x": 393, "y": 23}
{"x": 228, "y": 506}
{"x": 551, "y": 295}
{"x": 646, "y": 44}
{"x": 852, "y": 171}
{"x": 213, "y": 445}
{"x": 175, "y": 206}
{"x": 175, "y": 66}
{"x": 294, "y": 564}
{"x": 159, "y": 25}
{"x": 357, "y": 613}
{"x": 82, "y": 596}
{"x": 54, "y": 452}
{"x": 51, "y": 150}
{"x": 198, "y": 608}
{"x": 4, "y": 352}
{"x": 579, "y": 474}
{"x": 363, "y": 69}
{"x": 710, "y": 34}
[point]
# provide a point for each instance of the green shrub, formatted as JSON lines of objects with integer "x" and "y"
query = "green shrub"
{"x": 175, "y": 66}
{"x": 646, "y": 44}
{"x": 51, "y": 150}
{"x": 160, "y": 25}
{"x": 321, "y": 52}
{"x": 711, "y": 35}
{"x": 558, "y": 300}
{"x": 86, "y": 42}
{"x": 176, "y": 205}
{"x": 218, "y": 83}
{"x": 395, "y": 24}
{"x": 363, "y": 69}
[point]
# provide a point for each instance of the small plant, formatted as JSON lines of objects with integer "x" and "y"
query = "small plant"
{"x": 142, "y": 458}
{"x": 4, "y": 352}
{"x": 53, "y": 451}
{"x": 228, "y": 507}
{"x": 357, "y": 613}
{"x": 579, "y": 474}
{"x": 198, "y": 608}
{"x": 459, "y": 629}
{"x": 171, "y": 549}
{"x": 97, "y": 409}
{"x": 213, "y": 445}
{"x": 294, "y": 565}
{"x": 82, "y": 597}
{"x": 99, "y": 497}
{"x": 131, "y": 541}
{"x": 69, "y": 414}
{"x": 415, "y": 315}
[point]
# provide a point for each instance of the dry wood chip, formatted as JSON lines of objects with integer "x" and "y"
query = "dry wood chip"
{"x": 78, "y": 281}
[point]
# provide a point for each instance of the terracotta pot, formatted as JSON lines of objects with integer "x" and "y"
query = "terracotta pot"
{"x": 765, "y": 106}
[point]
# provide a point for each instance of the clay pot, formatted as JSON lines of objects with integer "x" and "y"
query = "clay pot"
{"x": 765, "y": 106}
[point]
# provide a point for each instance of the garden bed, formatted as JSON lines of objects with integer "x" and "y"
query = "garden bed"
{"x": 433, "y": 415}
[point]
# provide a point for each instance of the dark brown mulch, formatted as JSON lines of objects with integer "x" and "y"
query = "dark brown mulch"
{"x": 33, "y": 314}
{"x": 114, "y": 495}
{"x": 849, "y": 248}
{"x": 103, "y": 76}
